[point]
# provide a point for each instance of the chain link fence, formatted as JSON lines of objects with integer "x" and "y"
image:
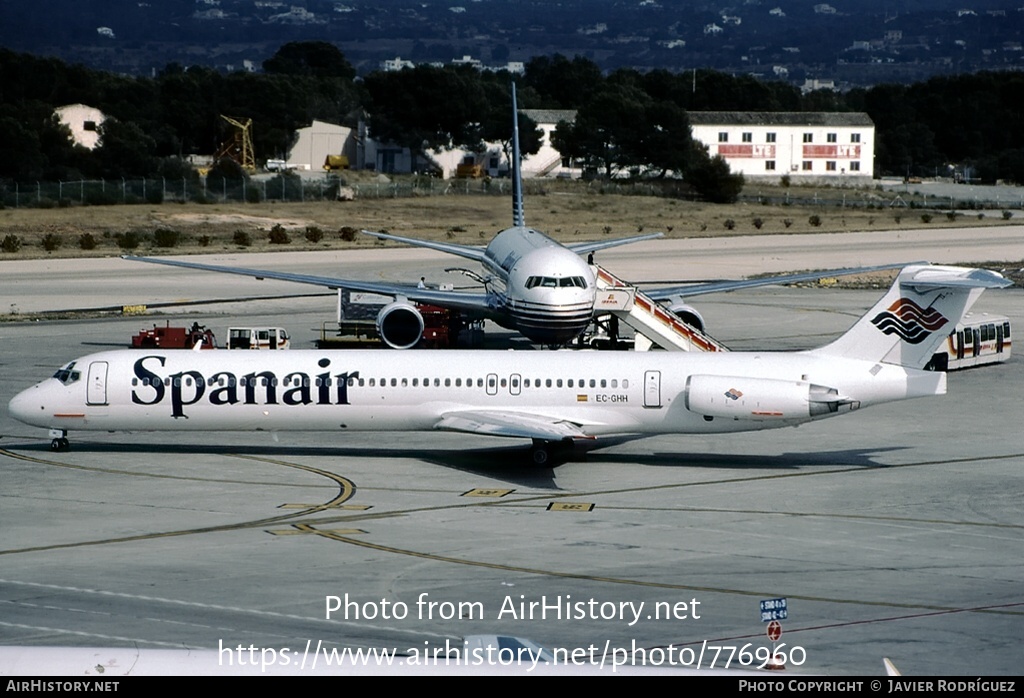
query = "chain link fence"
{"x": 293, "y": 188}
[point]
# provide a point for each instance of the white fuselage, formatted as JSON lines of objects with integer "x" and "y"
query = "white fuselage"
{"x": 610, "y": 393}
{"x": 549, "y": 289}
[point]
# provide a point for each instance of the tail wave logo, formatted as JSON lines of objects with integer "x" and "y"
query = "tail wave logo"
{"x": 912, "y": 323}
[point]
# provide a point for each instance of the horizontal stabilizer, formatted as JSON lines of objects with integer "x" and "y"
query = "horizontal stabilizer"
{"x": 585, "y": 247}
{"x": 475, "y": 253}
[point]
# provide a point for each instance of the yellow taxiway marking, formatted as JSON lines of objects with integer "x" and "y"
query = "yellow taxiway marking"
{"x": 306, "y": 530}
{"x": 571, "y": 506}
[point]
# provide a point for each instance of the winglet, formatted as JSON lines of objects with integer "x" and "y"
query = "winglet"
{"x": 518, "y": 215}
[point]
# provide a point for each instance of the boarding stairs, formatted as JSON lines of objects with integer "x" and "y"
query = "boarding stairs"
{"x": 650, "y": 320}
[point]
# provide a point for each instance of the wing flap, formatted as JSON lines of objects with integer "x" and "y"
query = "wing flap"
{"x": 513, "y": 424}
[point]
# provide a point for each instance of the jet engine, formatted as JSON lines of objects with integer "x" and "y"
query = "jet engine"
{"x": 400, "y": 325}
{"x": 761, "y": 399}
{"x": 688, "y": 314}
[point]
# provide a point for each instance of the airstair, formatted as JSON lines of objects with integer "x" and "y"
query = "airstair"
{"x": 650, "y": 320}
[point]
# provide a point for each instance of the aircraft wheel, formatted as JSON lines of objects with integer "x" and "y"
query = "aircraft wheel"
{"x": 540, "y": 455}
{"x": 59, "y": 444}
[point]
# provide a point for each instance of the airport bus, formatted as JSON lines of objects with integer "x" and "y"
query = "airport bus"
{"x": 980, "y": 338}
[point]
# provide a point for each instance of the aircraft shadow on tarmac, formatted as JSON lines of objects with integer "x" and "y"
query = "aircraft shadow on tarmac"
{"x": 506, "y": 463}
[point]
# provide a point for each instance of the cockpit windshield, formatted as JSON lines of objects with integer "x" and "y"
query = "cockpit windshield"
{"x": 68, "y": 374}
{"x": 553, "y": 282}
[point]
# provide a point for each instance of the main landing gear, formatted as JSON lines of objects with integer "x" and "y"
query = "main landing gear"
{"x": 60, "y": 440}
{"x": 550, "y": 454}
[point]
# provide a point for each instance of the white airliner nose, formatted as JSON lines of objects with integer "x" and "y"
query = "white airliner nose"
{"x": 26, "y": 406}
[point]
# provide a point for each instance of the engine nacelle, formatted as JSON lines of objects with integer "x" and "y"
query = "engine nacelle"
{"x": 688, "y": 314}
{"x": 761, "y": 399}
{"x": 400, "y": 325}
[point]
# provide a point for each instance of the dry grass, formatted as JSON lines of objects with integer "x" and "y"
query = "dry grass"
{"x": 568, "y": 215}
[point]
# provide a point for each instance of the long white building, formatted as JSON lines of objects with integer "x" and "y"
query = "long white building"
{"x": 810, "y": 147}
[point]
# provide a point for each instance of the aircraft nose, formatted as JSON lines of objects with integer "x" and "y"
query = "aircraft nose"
{"x": 27, "y": 407}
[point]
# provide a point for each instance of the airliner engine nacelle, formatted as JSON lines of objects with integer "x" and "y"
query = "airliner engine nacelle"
{"x": 400, "y": 325}
{"x": 734, "y": 397}
{"x": 688, "y": 314}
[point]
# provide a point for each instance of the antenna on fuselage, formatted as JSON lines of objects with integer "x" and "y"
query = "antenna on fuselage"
{"x": 518, "y": 216}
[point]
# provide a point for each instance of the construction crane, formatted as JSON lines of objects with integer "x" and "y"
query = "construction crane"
{"x": 239, "y": 146}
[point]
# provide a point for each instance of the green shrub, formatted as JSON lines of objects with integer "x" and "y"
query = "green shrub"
{"x": 165, "y": 237}
{"x": 926, "y": 218}
{"x": 11, "y": 243}
{"x": 314, "y": 234}
{"x": 204, "y": 240}
{"x": 1007, "y": 215}
{"x": 729, "y": 223}
{"x": 348, "y": 233}
{"x": 758, "y": 223}
{"x": 814, "y": 220}
{"x": 128, "y": 241}
{"x": 278, "y": 235}
{"x": 86, "y": 241}
{"x": 241, "y": 238}
{"x": 51, "y": 242}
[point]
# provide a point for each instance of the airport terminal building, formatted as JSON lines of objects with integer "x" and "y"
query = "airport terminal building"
{"x": 811, "y": 147}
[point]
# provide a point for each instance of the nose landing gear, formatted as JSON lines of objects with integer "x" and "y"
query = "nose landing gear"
{"x": 59, "y": 440}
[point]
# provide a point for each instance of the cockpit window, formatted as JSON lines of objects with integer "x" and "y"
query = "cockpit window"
{"x": 68, "y": 374}
{"x": 552, "y": 282}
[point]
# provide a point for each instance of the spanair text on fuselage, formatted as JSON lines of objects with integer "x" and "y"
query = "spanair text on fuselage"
{"x": 369, "y": 391}
{"x": 549, "y": 289}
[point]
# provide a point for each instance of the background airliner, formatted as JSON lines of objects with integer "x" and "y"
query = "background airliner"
{"x": 533, "y": 285}
{"x": 555, "y": 398}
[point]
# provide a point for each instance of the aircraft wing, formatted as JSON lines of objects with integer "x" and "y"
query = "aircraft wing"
{"x": 519, "y": 424}
{"x": 585, "y": 247}
{"x": 699, "y": 289}
{"x": 479, "y": 302}
{"x": 474, "y": 253}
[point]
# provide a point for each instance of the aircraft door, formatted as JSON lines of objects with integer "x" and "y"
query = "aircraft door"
{"x": 652, "y": 389}
{"x": 96, "y": 387}
{"x": 492, "y": 383}
{"x": 515, "y": 384}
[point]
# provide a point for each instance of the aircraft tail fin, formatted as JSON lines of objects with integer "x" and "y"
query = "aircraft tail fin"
{"x": 518, "y": 215}
{"x": 909, "y": 323}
